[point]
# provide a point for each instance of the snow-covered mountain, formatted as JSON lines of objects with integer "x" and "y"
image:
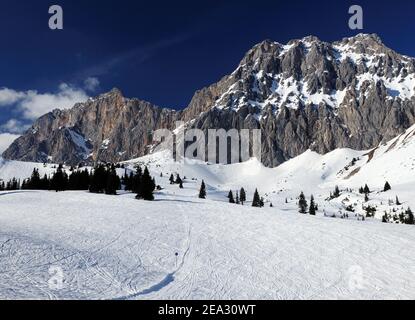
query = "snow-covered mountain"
{"x": 78, "y": 245}
{"x": 116, "y": 247}
{"x": 312, "y": 173}
{"x": 316, "y": 174}
{"x": 307, "y": 94}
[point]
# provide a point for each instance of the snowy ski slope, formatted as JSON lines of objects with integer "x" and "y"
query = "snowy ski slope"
{"x": 120, "y": 248}
{"x": 116, "y": 247}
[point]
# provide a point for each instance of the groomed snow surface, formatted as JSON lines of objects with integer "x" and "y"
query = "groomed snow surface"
{"x": 119, "y": 248}
{"x": 77, "y": 245}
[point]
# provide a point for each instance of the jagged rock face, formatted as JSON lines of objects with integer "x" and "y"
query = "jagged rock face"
{"x": 109, "y": 128}
{"x": 354, "y": 93}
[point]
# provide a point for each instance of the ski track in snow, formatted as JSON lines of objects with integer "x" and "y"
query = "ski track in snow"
{"x": 121, "y": 248}
{"x": 118, "y": 248}
{"x": 167, "y": 280}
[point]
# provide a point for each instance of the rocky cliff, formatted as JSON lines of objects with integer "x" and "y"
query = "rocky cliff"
{"x": 306, "y": 94}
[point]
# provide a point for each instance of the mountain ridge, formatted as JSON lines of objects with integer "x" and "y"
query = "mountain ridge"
{"x": 306, "y": 94}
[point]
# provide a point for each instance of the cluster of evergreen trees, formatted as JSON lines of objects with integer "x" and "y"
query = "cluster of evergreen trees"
{"x": 364, "y": 190}
{"x": 178, "y": 180}
{"x": 103, "y": 179}
{"x": 12, "y": 184}
{"x": 303, "y": 205}
{"x": 336, "y": 193}
{"x": 406, "y": 217}
{"x": 240, "y": 197}
{"x": 35, "y": 182}
{"x": 258, "y": 201}
{"x": 140, "y": 183}
{"x": 60, "y": 180}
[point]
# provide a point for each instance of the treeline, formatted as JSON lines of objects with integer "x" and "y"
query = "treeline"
{"x": 59, "y": 181}
{"x": 12, "y": 184}
{"x": 102, "y": 179}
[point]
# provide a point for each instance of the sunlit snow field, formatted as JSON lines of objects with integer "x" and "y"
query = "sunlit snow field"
{"x": 78, "y": 245}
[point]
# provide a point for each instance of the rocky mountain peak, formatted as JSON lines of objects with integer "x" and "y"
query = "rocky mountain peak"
{"x": 115, "y": 92}
{"x": 369, "y": 39}
{"x": 115, "y": 96}
{"x": 306, "y": 94}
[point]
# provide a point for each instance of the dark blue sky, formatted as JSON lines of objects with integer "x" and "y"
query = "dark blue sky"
{"x": 163, "y": 51}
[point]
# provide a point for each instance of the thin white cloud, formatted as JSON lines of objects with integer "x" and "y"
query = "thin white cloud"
{"x": 6, "y": 139}
{"x": 14, "y": 126}
{"x": 139, "y": 55}
{"x": 32, "y": 104}
{"x": 37, "y": 104}
{"x": 91, "y": 84}
{"x": 9, "y": 96}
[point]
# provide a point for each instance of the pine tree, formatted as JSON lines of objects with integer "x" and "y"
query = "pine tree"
{"x": 237, "y": 200}
{"x": 336, "y": 193}
{"x": 73, "y": 183}
{"x": 171, "y": 179}
{"x": 33, "y": 182}
{"x": 230, "y": 197}
{"x": 44, "y": 183}
{"x": 178, "y": 180}
{"x": 98, "y": 179}
{"x": 129, "y": 181}
{"x": 12, "y": 184}
{"x": 409, "y": 217}
{"x": 366, "y": 189}
{"x": 147, "y": 186}
{"x": 313, "y": 208}
{"x": 302, "y": 204}
{"x": 85, "y": 180}
{"x": 113, "y": 182}
{"x": 261, "y": 202}
{"x": 366, "y": 197}
{"x": 59, "y": 180}
{"x": 387, "y": 187}
{"x": 181, "y": 185}
{"x": 202, "y": 192}
{"x": 242, "y": 196}
{"x": 256, "y": 202}
{"x": 397, "y": 202}
{"x": 136, "y": 184}
{"x": 126, "y": 181}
